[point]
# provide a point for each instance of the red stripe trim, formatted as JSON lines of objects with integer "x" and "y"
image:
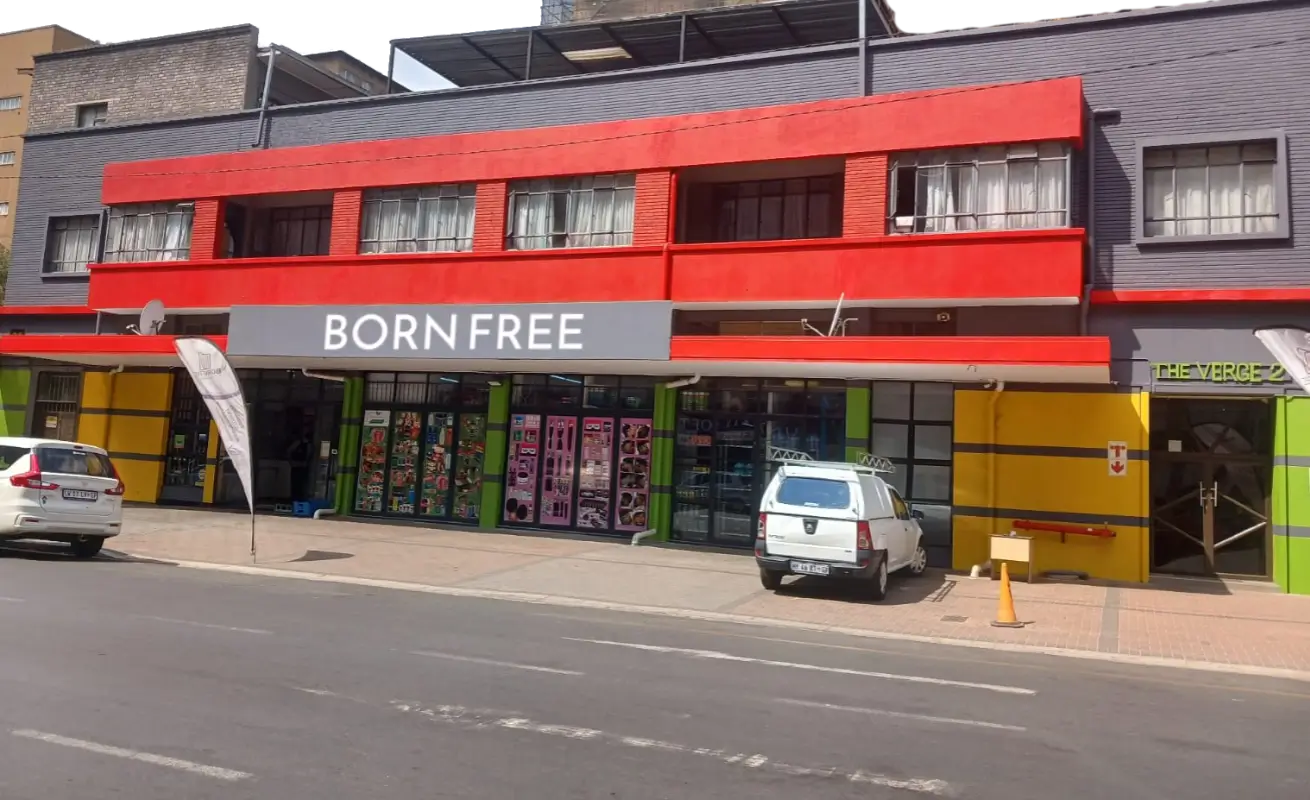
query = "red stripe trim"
{"x": 1124, "y": 296}
{"x": 1015, "y": 350}
{"x": 112, "y": 344}
{"x": 33, "y": 311}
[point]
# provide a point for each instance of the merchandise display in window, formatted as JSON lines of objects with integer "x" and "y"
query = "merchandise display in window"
{"x": 434, "y": 495}
{"x": 635, "y": 449}
{"x": 521, "y": 468}
{"x": 372, "y": 461}
{"x": 595, "y": 478}
{"x": 403, "y": 468}
{"x": 469, "y": 465}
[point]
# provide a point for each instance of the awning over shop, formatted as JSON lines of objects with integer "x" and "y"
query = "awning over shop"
{"x": 962, "y": 359}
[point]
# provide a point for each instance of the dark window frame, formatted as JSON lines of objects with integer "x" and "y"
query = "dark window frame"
{"x": 378, "y": 201}
{"x": 99, "y": 113}
{"x": 144, "y": 214}
{"x": 1282, "y": 225}
{"x": 562, "y": 194}
{"x": 729, "y": 224}
{"x": 97, "y": 233}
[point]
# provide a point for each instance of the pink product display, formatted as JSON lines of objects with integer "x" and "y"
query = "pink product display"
{"x": 595, "y": 479}
{"x": 521, "y": 471}
{"x": 635, "y": 444}
{"x": 557, "y": 470}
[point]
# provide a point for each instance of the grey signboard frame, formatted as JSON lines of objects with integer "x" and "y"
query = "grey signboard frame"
{"x": 639, "y": 331}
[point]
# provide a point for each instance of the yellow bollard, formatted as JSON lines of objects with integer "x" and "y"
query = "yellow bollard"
{"x": 1005, "y": 617}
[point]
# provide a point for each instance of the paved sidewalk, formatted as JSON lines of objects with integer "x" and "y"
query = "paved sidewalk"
{"x": 1197, "y": 621}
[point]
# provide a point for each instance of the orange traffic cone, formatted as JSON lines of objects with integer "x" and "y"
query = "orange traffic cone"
{"x": 1005, "y": 617}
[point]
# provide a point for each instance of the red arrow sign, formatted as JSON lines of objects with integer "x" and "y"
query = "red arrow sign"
{"x": 1117, "y": 467}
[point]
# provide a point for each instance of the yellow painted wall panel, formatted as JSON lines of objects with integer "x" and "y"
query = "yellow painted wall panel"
{"x": 1117, "y": 559}
{"x": 1064, "y": 419}
{"x": 211, "y": 457}
{"x": 1052, "y": 484}
{"x": 142, "y": 479}
{"x": 149, "y": 391}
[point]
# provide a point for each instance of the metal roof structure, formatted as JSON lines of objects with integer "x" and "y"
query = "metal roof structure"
{"x": 519, "y": 54}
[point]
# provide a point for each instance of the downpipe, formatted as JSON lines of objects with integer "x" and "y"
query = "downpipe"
{"x": 681, "y": 382}
{"x": 637, "y": 537}
{"x": 324, "y": 512}
{"x": 323, "y": 376}
{"x": 997, "y": 387}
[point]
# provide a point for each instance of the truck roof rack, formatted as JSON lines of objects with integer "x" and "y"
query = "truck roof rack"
{"x": 869, "y": 461}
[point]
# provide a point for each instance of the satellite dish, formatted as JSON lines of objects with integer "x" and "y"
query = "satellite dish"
{"x": 152, "y": 318}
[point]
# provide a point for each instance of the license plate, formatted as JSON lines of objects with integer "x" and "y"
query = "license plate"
{"x": 81, "y": 494}
{"x": 806, "y": 568}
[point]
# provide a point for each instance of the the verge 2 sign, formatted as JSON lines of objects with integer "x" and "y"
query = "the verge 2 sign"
{"x": 536, "y": 332}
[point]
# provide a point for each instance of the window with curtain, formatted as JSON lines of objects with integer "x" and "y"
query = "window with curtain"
{"x": 797, "y": 208}
{"x": 420, "y": 219}
{"x": 582, "y": 211}
{"x": 149, "y": 232}
{"x": 71, "y": 244}
{"x": 977, "y": 189}
{"x": 1208, "y": 191}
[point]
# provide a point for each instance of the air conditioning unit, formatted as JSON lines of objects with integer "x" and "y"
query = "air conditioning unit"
{"x": 903, "y": 224}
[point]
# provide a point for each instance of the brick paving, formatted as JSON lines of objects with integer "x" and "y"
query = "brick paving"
{"x": 1201, "y": 621}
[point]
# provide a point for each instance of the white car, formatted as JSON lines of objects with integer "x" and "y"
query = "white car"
{"x": 59, "y": 492}
{"x": 836, "y": 520}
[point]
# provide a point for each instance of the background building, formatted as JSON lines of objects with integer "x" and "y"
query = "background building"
{"x": 1049, "y": 244}
{"x": 17, "y": 50}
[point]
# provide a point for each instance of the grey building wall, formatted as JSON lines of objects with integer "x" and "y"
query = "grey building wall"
{"x": 587, "y": 10}
{"x": 1235, "y": 67}
{"x": 1168, "y": 72}
{"x": 1196, "y": 337}
{"x": 151, "y": 79}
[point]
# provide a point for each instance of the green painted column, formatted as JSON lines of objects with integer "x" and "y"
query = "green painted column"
{"x": 1291, "y": 494}
{"x": 493, "y": 463}
{"x": 15, "y": 382}
{"x": 661, "y": 462}
{"x": 858, "y": 398}
{"x": 352, "y": 411}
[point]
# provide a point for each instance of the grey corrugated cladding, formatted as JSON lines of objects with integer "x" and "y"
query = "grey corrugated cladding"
{"x": 1260, "y": 88}
{"x": 1252, "y": 88}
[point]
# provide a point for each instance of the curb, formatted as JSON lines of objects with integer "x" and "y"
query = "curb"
{"x": 742, "y": 619}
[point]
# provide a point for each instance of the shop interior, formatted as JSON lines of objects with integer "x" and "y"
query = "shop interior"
{"x": 724, "y": 433}
{"x": 423, "y": 446}
{"x": 294, "y": 420}
{"x": 1211, "y": 472}
{"x": 580, "y": 452}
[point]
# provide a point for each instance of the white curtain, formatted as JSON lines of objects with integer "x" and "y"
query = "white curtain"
{"x": 1258, "y": 191}
{"x": 1052, "y": 194}
{"x": 624, "y": 209}
{"x": 1160, "y": 203}
{"x": 1021, "y": 194}
{"x": 989, "y": 196}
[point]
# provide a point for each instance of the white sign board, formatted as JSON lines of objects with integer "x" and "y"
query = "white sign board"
{"x": 220, "y": 388}
{"x": 1117, "y": 455}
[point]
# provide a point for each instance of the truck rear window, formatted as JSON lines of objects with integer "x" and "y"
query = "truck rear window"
{"x": 814, "y": 493}
{"x": 74, "y": 462}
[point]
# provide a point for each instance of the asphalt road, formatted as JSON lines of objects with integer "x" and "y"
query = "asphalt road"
{"x": 152, "y": 682}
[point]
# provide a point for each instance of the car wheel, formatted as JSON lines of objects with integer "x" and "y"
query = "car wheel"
{"x": 878, "y": 586}
{"x": 919, "y": 563}
{"x": 771, "y": 580}
{"x": 87, "y": 546}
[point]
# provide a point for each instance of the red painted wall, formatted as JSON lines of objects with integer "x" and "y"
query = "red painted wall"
{"x": 956, "y": 117}
{"x": 1072, "y": 351}
{"x": 964, "y": 266}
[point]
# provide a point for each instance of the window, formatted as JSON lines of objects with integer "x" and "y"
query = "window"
{"x": 66, "y": 461}
{"x": 10, "y": 103}
{"x": 814, "y": 493}
{"x": 92, "y": 115}
{"x": 1229, "y": 187}
{"x": 300, "y": 231}
{"x": 911, "y": 424}
{"x": 7, "y": 158}
{"x": 985, "y": 188}
{"x": 422, "y": 219}
{"x": 149, "y": 232}
{"x": 71, "y": 244}
{"x": 799, "y": 208}
{"x": 586, "y": 211}
{"x": 56, "y": 405}
{"x": 4, "y": 209}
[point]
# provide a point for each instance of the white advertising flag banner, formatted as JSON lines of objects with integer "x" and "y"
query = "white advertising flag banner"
{"x": 1291, "y": 346}
{"x": 220, "y": 387}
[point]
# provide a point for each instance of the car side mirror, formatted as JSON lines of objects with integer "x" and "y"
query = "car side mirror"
{"x": 916, "y": 513}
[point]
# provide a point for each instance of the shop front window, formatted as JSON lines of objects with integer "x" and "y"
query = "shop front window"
{"x": 580, "y": 453}
{"x": 912, "y": 425}
{"x": 423, "y": 446}
{"x": 730, "y": 433}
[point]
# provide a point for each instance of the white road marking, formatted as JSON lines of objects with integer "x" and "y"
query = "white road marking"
{"x": 493, "y": 663}
{"x": 891, "y": 676}
{"x": 12, "y": 600}
{"x": 483, "y": 719}
{"x": 135, "y": 755}
{"x": 878, "y": 712}
{"x": 211, "y": 626}
{"x": 317, "y": 692}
